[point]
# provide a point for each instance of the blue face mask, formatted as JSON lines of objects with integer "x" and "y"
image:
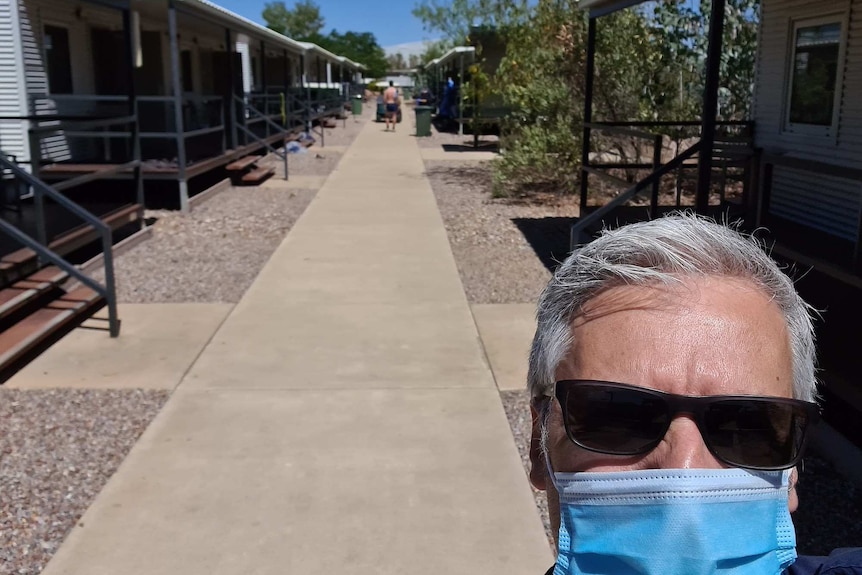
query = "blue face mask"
{"x": 674, "y": 521}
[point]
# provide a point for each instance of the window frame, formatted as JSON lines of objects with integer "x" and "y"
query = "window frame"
{"x": 797, "y": 128}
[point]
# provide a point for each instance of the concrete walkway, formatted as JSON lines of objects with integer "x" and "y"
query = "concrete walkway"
{"x": 343, "y": 418}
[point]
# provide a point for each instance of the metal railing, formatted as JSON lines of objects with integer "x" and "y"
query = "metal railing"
{"x": 578, "y": 231}
{"x": 87, "y": 127}
{"x": 257, "y": 116}
{"x": 321, "y": 103}
{"x": 732, "y": 150}
{"x": 201, "y": 116}
{"x": 40, "y": 245}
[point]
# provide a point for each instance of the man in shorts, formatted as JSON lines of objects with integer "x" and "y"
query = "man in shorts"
{"x": 390, "y": 103}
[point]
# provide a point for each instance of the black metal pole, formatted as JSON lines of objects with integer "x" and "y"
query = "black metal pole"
{"x": 658, "y": 141}
{"x": 263, "y": 65}
{"x": 710, "y": 106}
{"x": 263, "y": 88}
{"x": 286, "y": 71}
{"x": 285, "y": 89}
{"x": 230, "y": 105}
{"x": 179, "y": 128}
{"x": 133, "y": 109}
{"x": 588, "y": 113}
{"x": 307, "y": 88}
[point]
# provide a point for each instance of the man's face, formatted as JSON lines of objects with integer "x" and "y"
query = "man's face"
{"x": 709, "y": 336}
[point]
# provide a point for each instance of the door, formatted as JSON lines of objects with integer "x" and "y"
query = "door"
{"x": 58, "y": 60}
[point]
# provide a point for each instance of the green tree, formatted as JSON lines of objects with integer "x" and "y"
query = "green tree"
{"x": 396, "y": 61}
{"x": 360, "y": 47}
{"x": 649, "y": 67}
{"x": 434, "y": 50}
{"x": 303, "y": 22}
{"x": 682, "y": 31}
{"x": 454, "y": 18}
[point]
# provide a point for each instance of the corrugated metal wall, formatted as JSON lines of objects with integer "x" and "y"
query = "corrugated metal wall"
{"x": 828, "y": 204}
{"x": 13, "y": 134}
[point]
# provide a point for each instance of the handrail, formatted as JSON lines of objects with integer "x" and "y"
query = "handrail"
{"x": 117, "y": 99}
{"x": 86, "y": 178}
{"x": 262, "y": 116}
{"x": 85, "y": 123}
{"x": 579, "y": 227}
{"x": 78, "y": 97}
{"x": 622, "y": 131}
{"x": 668, "y": 123}
{"x": 108, "y": 291}
{"x": 257, "y": 138}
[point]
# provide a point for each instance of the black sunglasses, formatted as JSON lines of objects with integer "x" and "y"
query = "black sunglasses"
{"x": 754, "y": 432}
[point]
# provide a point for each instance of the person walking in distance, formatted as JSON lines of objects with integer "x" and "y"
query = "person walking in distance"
{"x": 390, "y": 101}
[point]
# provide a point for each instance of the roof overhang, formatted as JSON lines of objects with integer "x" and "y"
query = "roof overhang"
{"x": 457, "y": 50}
{"x": 243, "y": 24}
{"x": 599, "y": 8}
{"x": 312, "y": 47}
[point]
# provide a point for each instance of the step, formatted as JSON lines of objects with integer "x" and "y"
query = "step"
{"x": 36, "y": 332}
{"x": 29, "y": 290}
{"x": 258, "y": 175}
{"x": 19, "y": 263}
{"x": 243, "y": 163}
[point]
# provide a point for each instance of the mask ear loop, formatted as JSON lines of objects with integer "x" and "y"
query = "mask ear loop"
{"x": 543, "y": 407}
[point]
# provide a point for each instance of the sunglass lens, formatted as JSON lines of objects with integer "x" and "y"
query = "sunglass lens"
{"x": 613, "y": 420}
{"x": 755, "y": 433}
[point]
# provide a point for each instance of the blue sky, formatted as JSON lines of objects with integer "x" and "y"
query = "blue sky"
{"x": 391, "y": 21}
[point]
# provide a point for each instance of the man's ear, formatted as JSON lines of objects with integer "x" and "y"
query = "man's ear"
{"x": 538, "y": 468}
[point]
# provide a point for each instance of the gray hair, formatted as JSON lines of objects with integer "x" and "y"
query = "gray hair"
{"x": 656, "y": 252}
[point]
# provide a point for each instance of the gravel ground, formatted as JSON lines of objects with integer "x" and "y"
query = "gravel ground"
{"x": 214, "y": 253}
{"x": 313, "y": 162}
{"x": 498, "y": 261}
{"x": 321, "y": 160}
{"x": 493, "y": 242}
{"x": 57, "y": 450}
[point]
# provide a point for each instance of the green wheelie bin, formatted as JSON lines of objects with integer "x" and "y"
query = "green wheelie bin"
{"x": 423, "y": 121}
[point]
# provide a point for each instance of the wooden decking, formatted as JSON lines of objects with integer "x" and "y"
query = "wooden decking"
{"x": 152, "y": 171}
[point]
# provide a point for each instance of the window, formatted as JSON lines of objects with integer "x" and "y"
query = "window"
{"x": 815, "y": 76}
{"x": 58, "y": 60}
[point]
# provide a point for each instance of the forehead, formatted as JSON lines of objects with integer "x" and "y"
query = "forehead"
{"x": 703, "y": 336}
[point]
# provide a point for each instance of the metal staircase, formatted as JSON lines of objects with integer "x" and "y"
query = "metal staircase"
{"x": 43, "y": 294}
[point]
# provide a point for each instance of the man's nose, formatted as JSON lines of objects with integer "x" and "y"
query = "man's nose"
{"x": 683, "y": 448}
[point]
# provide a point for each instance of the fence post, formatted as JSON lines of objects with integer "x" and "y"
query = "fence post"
{"x": 588, "y": 114}
{"x": 656, "y": 164}
{"x": 179, "y": 126}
